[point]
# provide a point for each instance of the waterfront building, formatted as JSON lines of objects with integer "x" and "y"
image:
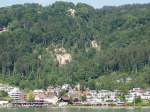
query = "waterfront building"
{"x": 146, "y": 95}
{"x": 137, "y": 93}
{"x": 51, "y": 95}
{"x": 75, "y": 95}
{"x": 106, "y": 95}
{"x": 16, "y": 95}
{"x": 39, "y": 95}
{"x": 4, "y": 103}
{"x": 51, "y": 100}
{"x": 38, "y": 91}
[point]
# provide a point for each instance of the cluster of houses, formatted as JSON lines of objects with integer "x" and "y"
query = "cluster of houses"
{"x": 64, "y": 95}
{"x": 135, "y": 93}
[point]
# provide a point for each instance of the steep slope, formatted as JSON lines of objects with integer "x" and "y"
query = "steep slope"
{"x": 94, "y": 43}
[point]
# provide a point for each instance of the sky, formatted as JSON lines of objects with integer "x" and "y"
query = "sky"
{"x": 94, "y": 3}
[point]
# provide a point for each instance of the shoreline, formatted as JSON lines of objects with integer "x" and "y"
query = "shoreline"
{"x": 103, "y": 107}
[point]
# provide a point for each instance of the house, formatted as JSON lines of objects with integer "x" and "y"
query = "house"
{"x": 51, "y": 95}
{"x": 57, "y": 90}
{"x": 4, "y": 103}
{"x": 106, "y": 95}
{"x": 91, "y": 97}
{"x": 65, "y": 99}
{"x": 119, "y": 103}
{"x": 88, "y": 95}
{"x": 39, "y": 95}
{"x": 38, "y": 91}
{"x": 51, "y": 91}
{"x": 93, "y": 101}
{"x": 51, "y": 99}
{"x": 135, "y": 93}
{"x": 16, "y": 95}
{"x": 75, "y": 95}
{"x": 146, "y": 95}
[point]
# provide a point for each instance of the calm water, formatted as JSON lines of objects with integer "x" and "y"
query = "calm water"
{"x": 75, "y": 110}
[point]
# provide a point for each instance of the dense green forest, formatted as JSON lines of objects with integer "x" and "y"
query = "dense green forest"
{"x": 121, "y": 60}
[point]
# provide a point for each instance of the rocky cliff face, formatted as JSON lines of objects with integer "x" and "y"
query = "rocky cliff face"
{"x": 62, "y": 56}
{"x": 95, "y": 45}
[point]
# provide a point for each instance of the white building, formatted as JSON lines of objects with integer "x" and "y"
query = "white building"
{"x": 53, "y": 100}
{"x": 146, "y": 96}
{"x": 51, "y": 95}
{"x": 94, "y": 101}
{"x": 39, "y": 95}
{"x": 38, "y": 91}
{"x": 135, "y": 93}
{"x": 16, "y": 95}
{"x": 4, "y": 103}
{"x": 106, "y": 95}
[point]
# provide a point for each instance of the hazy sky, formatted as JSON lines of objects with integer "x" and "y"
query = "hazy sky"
{"x": 95, "y": 3}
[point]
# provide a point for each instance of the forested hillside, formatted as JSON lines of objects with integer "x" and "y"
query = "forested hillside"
{"x": 105, "y": 48}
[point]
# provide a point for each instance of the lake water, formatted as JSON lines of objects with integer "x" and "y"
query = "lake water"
{"x": 74, "y": 110}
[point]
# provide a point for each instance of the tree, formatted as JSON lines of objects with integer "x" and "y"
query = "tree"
{"x": 83, "y": 98}
{"x": 30, "y": 96}
{"x": 35, "y": 31}
{"x": 3, "y": 94}
{"x": 138, "y": 100}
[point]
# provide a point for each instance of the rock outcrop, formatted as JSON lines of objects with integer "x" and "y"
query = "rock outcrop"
{"x": 62, "y": 56}
{"x": 95, "y": 45}
{"x": 72, "y": 12}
